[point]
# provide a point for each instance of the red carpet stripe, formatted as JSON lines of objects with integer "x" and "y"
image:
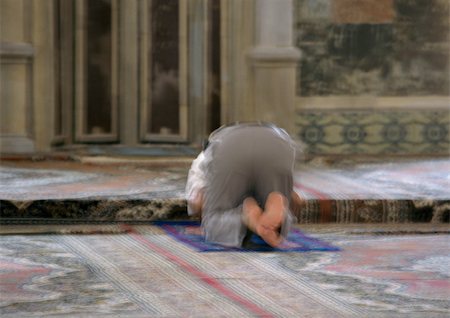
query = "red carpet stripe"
{"x": 314, "y": 192}
{"x": 210, "y": 281}
{"x": 324, "y": 202}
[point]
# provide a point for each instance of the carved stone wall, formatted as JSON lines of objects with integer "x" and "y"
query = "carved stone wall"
{"x": 377, "y": 47}
{"x": 374, "y": 76}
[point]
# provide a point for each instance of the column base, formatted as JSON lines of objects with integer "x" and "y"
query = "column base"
{"x": 16, "y": 145}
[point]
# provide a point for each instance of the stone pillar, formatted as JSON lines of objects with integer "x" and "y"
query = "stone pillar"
{"x": 43, "y": 80}
{"x": 129, "y": 73}
{"x": 274, "y": 60}
{"x": 27, "y": 91}
{"x": 16, "y": 94}
{"x": 237, "y": 38}
{"x": 198, "y": 68}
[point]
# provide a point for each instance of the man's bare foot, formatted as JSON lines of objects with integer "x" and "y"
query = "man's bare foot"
{"x": 274, "y": 210}
{"x": 267, "y": 223}
{"x": 251, "y": 214}
{"x": 271, "y": 220}
{"x": 270, "y": 236}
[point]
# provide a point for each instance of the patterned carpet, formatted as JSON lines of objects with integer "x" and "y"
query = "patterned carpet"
{"x": 409, "y": 180}
{"x": 395, "y": 192}
{"x": 146, "y": 273}
{"x": 414, "y": 191}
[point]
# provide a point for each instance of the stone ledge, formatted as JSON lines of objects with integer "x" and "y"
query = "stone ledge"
{"x": 274, "y": 55}
{"x": 16, "y": 50}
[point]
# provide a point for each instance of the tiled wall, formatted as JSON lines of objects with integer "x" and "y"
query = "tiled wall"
{"x": 404, "y": 132}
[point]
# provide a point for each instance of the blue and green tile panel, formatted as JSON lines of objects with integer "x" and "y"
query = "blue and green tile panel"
{"x": 406, "y": 132}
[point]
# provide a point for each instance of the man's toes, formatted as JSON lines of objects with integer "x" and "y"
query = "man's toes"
{"x": 275, "y": 210}
{"x": 271, "y": 237}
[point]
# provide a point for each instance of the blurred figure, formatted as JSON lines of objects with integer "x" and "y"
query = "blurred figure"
{"x": 242, "y": 182}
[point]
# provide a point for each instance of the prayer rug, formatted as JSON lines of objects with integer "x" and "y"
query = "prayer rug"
{"x": 190, "y": 233}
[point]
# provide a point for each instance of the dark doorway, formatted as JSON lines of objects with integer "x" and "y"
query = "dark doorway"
{"x": 215, "y": 76}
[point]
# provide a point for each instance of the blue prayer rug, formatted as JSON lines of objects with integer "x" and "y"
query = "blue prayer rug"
{"x": 190, "y": 233}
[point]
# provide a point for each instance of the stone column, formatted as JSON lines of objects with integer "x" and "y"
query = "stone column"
{"x": 43, "y": 80}
{"x": 16, "y": 61}
{"x": 237, "y": 38}
{"x": 198, "y": 68}
{"x": 129, "y": 72}
{"x": 274, "y": 60}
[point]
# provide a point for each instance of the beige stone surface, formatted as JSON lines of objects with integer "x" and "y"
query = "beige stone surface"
{"x": 13, "y": 98}
{"x": 43, "y": 81}
{"x": 11, "y": 12}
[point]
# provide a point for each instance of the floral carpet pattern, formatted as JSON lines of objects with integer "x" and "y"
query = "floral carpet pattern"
{"x": 143, "y": 272}
{"x": 394, "y": 192}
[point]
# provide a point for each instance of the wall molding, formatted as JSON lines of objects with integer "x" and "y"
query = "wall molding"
{"x": 16, "y": 144}
{"x": 274, "y": 55}
{"x": 17, "y": 50}
{"x": 373, "y": 103}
